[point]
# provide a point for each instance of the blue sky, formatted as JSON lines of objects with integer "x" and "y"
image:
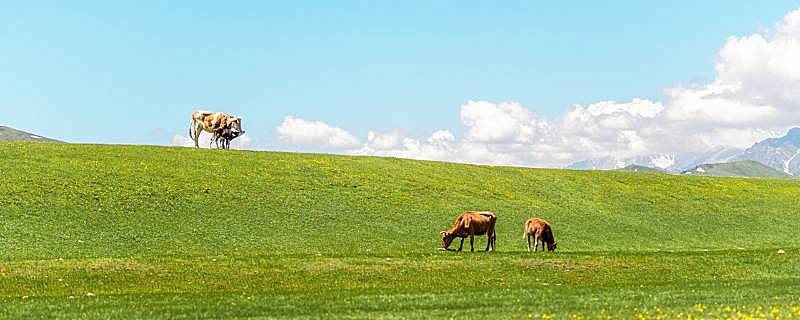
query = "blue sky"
{"x": 131, "y": 72}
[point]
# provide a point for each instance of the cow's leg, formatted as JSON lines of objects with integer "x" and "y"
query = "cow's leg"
{"x": 529, "y": 243}
{"x": 490, "y": 240}
{"x": 535, "y": 244}
{"x": 196, "y": 137}
{"x": 471, "y": 242}
{"x": 461, "y": 246}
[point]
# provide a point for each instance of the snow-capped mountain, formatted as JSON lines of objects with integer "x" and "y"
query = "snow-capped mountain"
{"x": 666, "y": 161}
{"x": 661, "y": 161}
{"x": 717, "y": 154}
{"x": 782, "y": 154}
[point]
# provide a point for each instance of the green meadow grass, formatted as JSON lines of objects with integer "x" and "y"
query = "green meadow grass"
{"x": 98, "y": 231}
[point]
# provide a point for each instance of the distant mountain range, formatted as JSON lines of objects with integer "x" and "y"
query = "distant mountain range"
{"x": 781, "y": 154}
{"x": 11, "y": 134}
{"x": 661, "y": 161}
{"x": 668, "y": 162}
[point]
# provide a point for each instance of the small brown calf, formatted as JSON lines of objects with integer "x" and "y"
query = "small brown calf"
{"x": 541, "y": 231}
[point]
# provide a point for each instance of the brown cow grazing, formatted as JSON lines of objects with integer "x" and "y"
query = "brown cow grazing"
{"x": 471, "y": 223}
{"x": 211, "y": 122}
{"x": 541, "y": 232}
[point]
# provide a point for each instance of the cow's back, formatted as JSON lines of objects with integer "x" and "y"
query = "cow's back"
{"x": 200, "y": 115}
{"x": 536, "y": 226}
{"x": 478, "y": 221}
{"x": 214, "y": 120}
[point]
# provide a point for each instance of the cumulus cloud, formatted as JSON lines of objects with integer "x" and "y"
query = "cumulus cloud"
{"x": 315, "y": 134}
{"x": 755, "y": 94}
{"x": 758, "y": 78}
{"x": 386, "y": 141}
{"x": 497, "y": 123}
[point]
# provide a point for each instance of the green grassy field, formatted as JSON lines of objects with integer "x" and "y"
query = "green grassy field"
{"x": 98, "y": 231}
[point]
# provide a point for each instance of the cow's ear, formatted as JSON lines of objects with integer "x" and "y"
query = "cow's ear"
{"x": 442, "y": 233}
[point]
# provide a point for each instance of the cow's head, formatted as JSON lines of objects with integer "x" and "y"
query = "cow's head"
{"x": 551, "y": 246}
{"x": 230, "y": 134}
{"x": 447, "y": 239}
{"x": 235, "y": 124}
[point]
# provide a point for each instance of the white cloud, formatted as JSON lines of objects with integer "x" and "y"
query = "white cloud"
{"x": 754, "y": 95}
{"x": 182, "y": 141}
{"x": 442, "y": 137}
{"x": 714, "y": 104}
{"x": 506, "y": 122}
{"x": 380, "y": 141}
{"x": 242, "y": 142}
{"x": 757, "y": 82}
{"x": 315, "y": 134}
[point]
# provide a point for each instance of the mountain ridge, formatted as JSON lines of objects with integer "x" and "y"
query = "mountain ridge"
{"x": 743, "y": 168}
{"x": 11, "y": 134}
{"x": 782, "y": 153}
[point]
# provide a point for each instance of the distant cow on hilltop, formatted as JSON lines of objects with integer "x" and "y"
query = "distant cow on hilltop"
{"x": 220, "y": 124}
{"x": 471, "y": 223}
{"x": 540, "y": 231}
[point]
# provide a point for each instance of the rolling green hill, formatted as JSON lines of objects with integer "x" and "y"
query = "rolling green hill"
{"x": 96, "y": 231}
{"x": 747, "y": 168}
{"x": 641, "y": 169}
{"x": 11, "y": 134}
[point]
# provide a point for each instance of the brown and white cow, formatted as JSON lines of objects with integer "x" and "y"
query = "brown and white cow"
{"x": 540, "y": 231}
{"x": 471, "y": 223}
{"x": 213, "y": 122}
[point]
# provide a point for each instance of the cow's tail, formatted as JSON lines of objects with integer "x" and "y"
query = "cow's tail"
{"x": 529, "y": 228}
{"x": 492, "y": 233}
{"x": 525, "y": 231}
{"x": 191, "y": 125}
